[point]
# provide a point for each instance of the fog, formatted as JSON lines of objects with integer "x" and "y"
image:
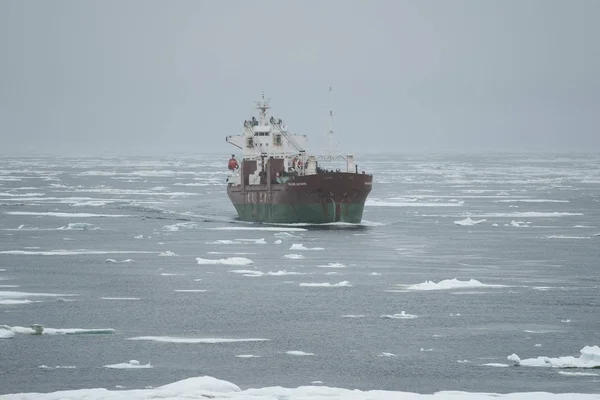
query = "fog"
{"x": 158, "y": 77}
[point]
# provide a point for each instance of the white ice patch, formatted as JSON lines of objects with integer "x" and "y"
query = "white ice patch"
{"x": 58, "y": 367}
{"x": 386, "y": 355}
{"x": 6, "y": 334}
{"x": 180, "y": 225}
{"x": 384, "y": 203}
{"x": 278, "y": 241}
{"x": 402, "y": 315}
{"x": 41, "y": 330}
{"x": 4, "y": 294}
{"x": 565, "y": 373}
{"x": 332, "y": 265}
{"x": 259, "y": 228}
{"x": 530, "y": 201}
{"x": 299, "y": 246}
{"x": 294, "y": 256}
{"x": 528, "y": 214}
{"x": 67, "y": 215}
{"x": 112, "y": 260}
{"x": 247, "y": 272}
{"x": 120, "y": 298}
{"x": 72, "y": 252}
{"x": 468, "y": 222}
{"x": 247, "y": 356}
{"x": 298, "y": 353}
{"x": 353, "y": 316}
{"x": 589, "y": 358}
{"x": 132, "y": 364}
{"x": 225, "y": 261}
{"x": 284, "y": 272}
{"x": 173, "y": 339}
{"x": 238, "y": 241}
{"x": 497, "y": 365}
{"x": 567, "y": 237}
{"x": 189, "y": 290}
{"x": 327, "y": 284}
{"x": 79, "y": 226}
{"x": 449, "y": 284}
{"x": 168, "y": 253}
{"x": 14, "y": 302}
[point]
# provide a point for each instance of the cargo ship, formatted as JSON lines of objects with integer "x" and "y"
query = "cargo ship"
{"x": 277, "y": 181}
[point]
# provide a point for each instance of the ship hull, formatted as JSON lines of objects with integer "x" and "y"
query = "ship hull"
{"x": 313, "y": 199}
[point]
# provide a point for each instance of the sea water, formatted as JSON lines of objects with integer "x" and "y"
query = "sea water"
{"x": 465, "y": 270}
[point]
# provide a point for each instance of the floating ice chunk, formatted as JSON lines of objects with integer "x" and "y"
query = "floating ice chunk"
{"x": 58, "y": 367}
{"x": 577, "y": 373}
{"x": 589, "y": 358}
{"x": 259, "y": 228}
{"x": 494, "y": 224}
{"x": 455, "y": 315}
{"x": 498, "y": 365}
{"x": 247, "y": 356}
{"x": 177, "y": 226}
{"x": 298, "y": 353}
{"x": 132, "y": 364}
{"x": 529, "y": 214}
{"x": 402, "y": 315}
{"x": 294, "y": 256}
{"x": 518, "y": 224}
{"x": 299, "y": 246}
{"x": 139, "y": 237}
{"x": 449, "y": 284}
{"x": 171, "y": 339}
{"x": 333, "y": 273}
{"x": 278, "y": 241}
{"x": 383, "y": 203}
{"x": 565, "y": 321}
{"x": 284, "y": 272}
{"x": 317, "y": 382}
{"x": 327, "y": 284}
{"x": 120, "y": 298}
{"x": 537, "y": 345}
{"x": 353, "y": 316}
{"x": 221, "y": 241}
{"x": 375, "y": 274}
{"x": 386, "y": 355}
{"x": 225, "y": 261}
{"x": 71, "y": 252}
{"x": 285, "y": 235}
{"x": 6, "y": 334}
{"x": 247, "y": 272}
{"x": 78, "y": 226}
{"x": 5, "y": 294}
{"x": 41, "y": 330}
{"x": 169, "y": 274}
{"x": 332, "y": 265}
{"x": 168, "y": 253}
{"x": 567, "y": 237}
{"x": 112, "y": 260}
{"x": 67, "y": 215}
{"x": 14, "y": 302}
{"x": 468, "y": 222}
{"x": 425, "y": 350}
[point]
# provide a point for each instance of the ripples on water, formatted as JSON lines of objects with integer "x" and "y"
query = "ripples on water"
{"x": 461, "y": 262}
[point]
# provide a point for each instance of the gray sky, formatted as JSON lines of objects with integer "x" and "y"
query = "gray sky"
{"x": 157, "y": 77}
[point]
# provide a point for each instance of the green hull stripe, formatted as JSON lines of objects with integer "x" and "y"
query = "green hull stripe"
{"x": 305, "y": 213}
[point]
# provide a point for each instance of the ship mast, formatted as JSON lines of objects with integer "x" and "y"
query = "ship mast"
{"x": 263, "y": 106}
{"x": 331, "y": 134}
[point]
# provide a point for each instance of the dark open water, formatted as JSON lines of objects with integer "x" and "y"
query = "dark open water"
{"x": 545, "y": 251}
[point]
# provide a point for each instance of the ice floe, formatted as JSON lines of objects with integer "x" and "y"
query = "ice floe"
{"x": 299, "y": 246}
{"x": 120, "y": 298}
{"x": 332, "y": 265}
{"x": 294, "y": 256}
{"x": 6, "y": 333}
{"x": 132, "y": 364}
{"x": 402, "y": 315}
{"x": 168, "y": 253}
{"x": 353, "y": 316}
{"x": 327, "y": 284}
{"x": 225, "y": 261}
{"x": 41, "y": 330}
{"x": 528, "y": 214}
{"x": 497, "y": 365}
{"x": 14, "y": 302}
{"x": 386, "y": 355}
{"x": 384, "y": 203}
{"x": 567, "y": 237}
{"x": 298, "y": 353}
{"x": 284, "y": 272}
{"x": 112, "y": 260}
{"x": 73, "y": 252}
{"x": 209, "y": 387}
{"x": 58, "y": 367}
{"x": 247, "y": 272}
{"x": 247, "y": 356}
{"x": 566, "y": 373}
{"x": 259, "y": 228}
{"x": 79, "y": 226}
{"x": 589, "y": 358}
{"x": 468, "y": 222}
{"x": 179, "y": 225}
{"x": 67, "y": 215}
{"x": 174, "y": 339}
{"x": 447, "y": 284}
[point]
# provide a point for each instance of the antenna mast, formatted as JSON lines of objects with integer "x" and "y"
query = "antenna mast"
{"x": 330, "y": 121}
